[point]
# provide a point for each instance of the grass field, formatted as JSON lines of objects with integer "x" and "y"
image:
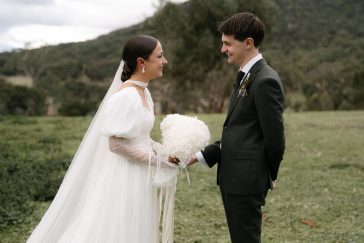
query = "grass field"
{"x": 320, "y": 187}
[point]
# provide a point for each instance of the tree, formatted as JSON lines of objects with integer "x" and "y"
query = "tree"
{"x": 34, "y": 62}
{"x": 196, "y": 66}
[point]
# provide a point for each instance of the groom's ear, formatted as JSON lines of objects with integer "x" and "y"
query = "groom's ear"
{"x": 249, "y": 42}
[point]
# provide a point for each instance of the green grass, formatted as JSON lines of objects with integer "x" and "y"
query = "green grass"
{"x": 321, "y": 179}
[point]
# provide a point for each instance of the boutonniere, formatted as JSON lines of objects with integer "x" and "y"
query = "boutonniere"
{"x": 242, "y": 90}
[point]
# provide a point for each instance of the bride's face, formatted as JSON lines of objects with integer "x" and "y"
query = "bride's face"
{"x": 155, "y": 63}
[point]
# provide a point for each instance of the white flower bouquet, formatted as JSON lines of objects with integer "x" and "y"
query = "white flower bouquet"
{"x": 183, "y": 136}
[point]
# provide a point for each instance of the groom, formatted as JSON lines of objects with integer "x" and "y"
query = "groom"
{"x": 252, "y": 144}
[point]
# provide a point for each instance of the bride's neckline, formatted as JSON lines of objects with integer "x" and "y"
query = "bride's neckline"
{"x": 137, "y": 83}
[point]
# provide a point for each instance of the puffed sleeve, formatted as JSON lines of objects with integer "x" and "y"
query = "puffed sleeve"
{"x": 123, "y": 116}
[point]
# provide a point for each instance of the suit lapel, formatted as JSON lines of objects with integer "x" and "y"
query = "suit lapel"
{"x": 253, "y": 73}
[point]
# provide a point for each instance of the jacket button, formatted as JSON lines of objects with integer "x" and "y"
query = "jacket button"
{"x": 224, "y": 127}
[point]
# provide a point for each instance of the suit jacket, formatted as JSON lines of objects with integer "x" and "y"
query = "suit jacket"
{"x": 252, "y": 144}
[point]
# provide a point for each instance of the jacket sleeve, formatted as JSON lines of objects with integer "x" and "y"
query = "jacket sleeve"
{"x": 269, "y": 99}
{"x": 211, "y": 153}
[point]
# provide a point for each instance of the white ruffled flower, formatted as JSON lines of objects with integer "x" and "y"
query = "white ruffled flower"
{"x": 183, "y": 136}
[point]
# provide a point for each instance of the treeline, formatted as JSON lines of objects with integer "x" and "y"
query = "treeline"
{"x": 316, "y": 46}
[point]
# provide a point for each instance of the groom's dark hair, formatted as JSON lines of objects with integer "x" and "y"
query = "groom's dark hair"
{"x": 242, "y": 26}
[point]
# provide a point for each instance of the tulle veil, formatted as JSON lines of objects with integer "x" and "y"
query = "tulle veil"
{"x": 78, "y": 179}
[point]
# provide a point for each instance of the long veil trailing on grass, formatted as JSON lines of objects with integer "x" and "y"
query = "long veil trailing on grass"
{"x": 79, "y": 179}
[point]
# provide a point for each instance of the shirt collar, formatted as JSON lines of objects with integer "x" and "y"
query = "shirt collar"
{"x": 252, "y": 61}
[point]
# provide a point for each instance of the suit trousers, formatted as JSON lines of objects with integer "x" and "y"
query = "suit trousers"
{"x": 244, "y": 216}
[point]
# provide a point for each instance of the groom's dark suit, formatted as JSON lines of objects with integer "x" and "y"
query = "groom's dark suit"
{"x": 250, "y": 151}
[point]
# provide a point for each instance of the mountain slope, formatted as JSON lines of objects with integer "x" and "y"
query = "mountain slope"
{"x": 316, "y": 46}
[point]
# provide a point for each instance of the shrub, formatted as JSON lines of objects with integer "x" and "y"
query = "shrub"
{"x": 28, "y": 173}
{"x": 77, "y": 107}
{"x": 80, "y": 99}
{"x": 17, "y": 100}
{"x": 15, "y": 196}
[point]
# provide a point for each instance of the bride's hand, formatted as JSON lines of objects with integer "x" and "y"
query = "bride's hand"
{"x": 173, "y": 159}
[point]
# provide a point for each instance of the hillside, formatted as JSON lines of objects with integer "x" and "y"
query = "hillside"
{"x": 316, "y": 46}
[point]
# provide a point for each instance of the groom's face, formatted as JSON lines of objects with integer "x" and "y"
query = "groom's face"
{"x": 234, "y": 49}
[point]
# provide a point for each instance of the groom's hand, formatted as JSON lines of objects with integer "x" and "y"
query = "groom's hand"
{"x": 193, "y": 159}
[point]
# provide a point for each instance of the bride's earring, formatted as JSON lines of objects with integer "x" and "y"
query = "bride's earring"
{"x": 143, "y": 70}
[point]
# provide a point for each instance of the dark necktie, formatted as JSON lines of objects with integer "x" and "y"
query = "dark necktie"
{"x": 239, "y": 77}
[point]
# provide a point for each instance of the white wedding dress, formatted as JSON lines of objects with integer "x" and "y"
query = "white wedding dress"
{"x": 116, "y": 201}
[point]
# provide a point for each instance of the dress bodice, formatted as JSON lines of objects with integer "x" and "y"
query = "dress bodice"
{"x": 126, "y": 117}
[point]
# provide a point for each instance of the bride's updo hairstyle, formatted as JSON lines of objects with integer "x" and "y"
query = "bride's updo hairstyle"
{"x": 137, "y": 46}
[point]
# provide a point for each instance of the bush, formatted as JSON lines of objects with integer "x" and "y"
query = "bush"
{"x": 17, "y": 100}
{"x": 80, "y": 99}
{"x": 358, "y": 86}
{"x": 77, "y": 107}
{"x": 28, "y": 174}
{"x": 15, "y": 196}
{"x": 320, "y": 101}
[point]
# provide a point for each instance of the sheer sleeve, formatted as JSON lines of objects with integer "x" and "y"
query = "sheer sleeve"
{"x": 157, "y": 147}
{"x": 122, "y": 116}
{"x": 122, "y": 147}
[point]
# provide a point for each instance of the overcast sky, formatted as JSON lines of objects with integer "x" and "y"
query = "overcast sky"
{"x": 35, "y": 23}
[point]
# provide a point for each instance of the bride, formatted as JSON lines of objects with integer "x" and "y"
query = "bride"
{"x": 108, "y": 195}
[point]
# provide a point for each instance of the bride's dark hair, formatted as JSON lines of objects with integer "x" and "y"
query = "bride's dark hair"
{"x": 137, "y": 46}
